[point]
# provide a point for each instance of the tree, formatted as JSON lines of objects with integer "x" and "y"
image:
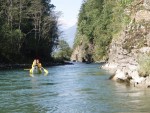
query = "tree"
{"x": 64, "y": 51}
{"x": 98, "y": 22}
{"x": 28, "y": 29}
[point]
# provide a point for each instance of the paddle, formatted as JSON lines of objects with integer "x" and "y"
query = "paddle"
{"x": 27, "y": 69}
{"x": 45, "y": 70}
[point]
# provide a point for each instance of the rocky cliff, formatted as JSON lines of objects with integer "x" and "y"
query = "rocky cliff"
{"x": 82, "y": 53}
{"x": 129, "y": 52}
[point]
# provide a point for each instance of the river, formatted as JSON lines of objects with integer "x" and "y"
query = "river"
{"x": 78, "y": 88}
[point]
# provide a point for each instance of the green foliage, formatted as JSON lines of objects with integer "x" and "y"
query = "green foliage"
{"x": 125, "y": 3}
{"x": 10, "y": 42}
{"x": 28, "y": 29}
{"x": 64, "y": 51}
{"x": 144, "y": 63}
{"x": 99, "y": 21}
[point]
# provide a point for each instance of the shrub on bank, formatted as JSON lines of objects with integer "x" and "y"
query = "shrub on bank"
{"x": 144, "y": 65}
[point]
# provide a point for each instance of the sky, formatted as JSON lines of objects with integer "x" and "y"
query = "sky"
{"x": 69, "y": 10}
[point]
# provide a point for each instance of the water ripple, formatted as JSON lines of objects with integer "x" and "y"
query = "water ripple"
{"x": 78, "y": 88}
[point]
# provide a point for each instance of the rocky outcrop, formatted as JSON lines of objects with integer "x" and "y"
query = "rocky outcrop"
{"x": 133, "y": 41}
{"x": 82, "y": 53}
{"x": 78, "y": 54}
{"x": 147, "y": 4}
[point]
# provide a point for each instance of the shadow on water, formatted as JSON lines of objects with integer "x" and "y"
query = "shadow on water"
{"x": 48, "y": 84}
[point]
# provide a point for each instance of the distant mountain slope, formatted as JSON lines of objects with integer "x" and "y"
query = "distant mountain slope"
{"x": 69, "y": 35}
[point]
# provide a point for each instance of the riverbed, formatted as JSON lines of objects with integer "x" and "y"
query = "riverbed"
{"x": 78, "y": 88}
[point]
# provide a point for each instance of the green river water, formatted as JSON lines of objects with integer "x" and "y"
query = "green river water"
{"x": 78, "y": 88}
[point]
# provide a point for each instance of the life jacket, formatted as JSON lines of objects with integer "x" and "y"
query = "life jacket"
{"x": 34, "y": 64}
{"x": 39, "y": 65}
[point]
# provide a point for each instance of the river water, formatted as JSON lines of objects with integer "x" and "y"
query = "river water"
{"x": 78, "y": 88}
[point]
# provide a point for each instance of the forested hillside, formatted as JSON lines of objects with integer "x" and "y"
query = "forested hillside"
{"x": 99, "y": 21}
{"x": 28, "y": 29}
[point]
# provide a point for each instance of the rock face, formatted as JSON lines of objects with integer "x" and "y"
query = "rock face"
{"x": 133, "y": 41}
{"x": 82, "y": 53}
{"x": 77, "y": 54}
{"x": 147, "y": 4}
